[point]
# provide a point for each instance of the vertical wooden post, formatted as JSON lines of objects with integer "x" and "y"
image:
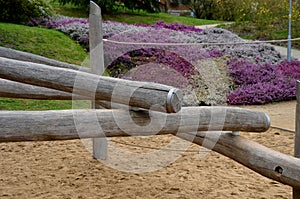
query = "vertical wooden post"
{"x": 97, "y": 67}
{"x": 296, "y": 192}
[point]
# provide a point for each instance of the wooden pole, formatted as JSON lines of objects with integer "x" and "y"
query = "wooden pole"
{"x": 263, "y": 160}
{"x": 13, "y": 89}
{"x": 100, "y": 148}
{"x": 73, "y": 124}
{"x": 296, "y": 191}
{"x": 29, "y": 57}
{"x": 145, "y": 95}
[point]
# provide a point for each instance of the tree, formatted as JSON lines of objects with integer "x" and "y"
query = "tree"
{"x": 105, "y": 5}
{"x": 109, "y": 5}
{"x": 202, "y": 8}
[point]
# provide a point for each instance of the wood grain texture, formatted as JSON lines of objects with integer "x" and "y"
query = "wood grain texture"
{"x": 29, "y": 57}
{"x": 296, "y": 191}
{"x": 100, "y": 145}
{"x": 74, "y": 124}
{"x": 137, "y": 94}
{"x": 13, "y": 89}
{"x": 265, "y": 161}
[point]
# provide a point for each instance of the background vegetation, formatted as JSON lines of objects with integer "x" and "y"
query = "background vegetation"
{"x": 20, "y": 11}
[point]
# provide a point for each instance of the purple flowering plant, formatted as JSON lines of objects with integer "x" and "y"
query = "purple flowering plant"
{"x": 261, "y": 77}
{"x": 265, "y": 83}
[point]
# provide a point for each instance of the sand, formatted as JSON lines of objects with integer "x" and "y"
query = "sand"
{"x": 66, "y": 169}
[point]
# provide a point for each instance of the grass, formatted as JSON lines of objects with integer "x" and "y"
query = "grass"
{"x": 147, "y": 18}
{"x": 69, "y": 10}
{"x": 48, "y": 43}
{"x": 40, "y": 41}
{"x": 248, "y": 30}
{"x": 131, "y": 17}
{"x": 26, "y": 104}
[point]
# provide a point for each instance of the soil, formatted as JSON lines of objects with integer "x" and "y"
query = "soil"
{"x": 66, "y": 169}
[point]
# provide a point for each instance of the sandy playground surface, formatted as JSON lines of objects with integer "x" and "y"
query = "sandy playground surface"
{"x": 66, "y": 169}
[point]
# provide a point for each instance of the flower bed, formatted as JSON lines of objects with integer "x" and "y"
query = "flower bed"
{"x": 217, "y": 70}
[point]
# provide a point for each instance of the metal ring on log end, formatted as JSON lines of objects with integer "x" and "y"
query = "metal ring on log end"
{"x": 174, "y": 99}
{"x": 268, "y": 121}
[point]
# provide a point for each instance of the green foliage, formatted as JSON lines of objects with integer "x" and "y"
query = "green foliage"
{"x": 265, "y": 19}
{"x": 21, "y": 11}
{"x": 146, "y": 5}
{"x": 110, "y": 6}
{"x": 26, "y": 104}
{"x": 228, "y": 10}
{"x": 152, "y": 18}
{"x": 105, "y": 5}
{"x": 203, "y": 9}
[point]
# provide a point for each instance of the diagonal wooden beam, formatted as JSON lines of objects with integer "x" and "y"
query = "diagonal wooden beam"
{"x": 263, "y": 160}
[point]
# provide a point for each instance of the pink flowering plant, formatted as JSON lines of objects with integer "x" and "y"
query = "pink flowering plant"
{"x": 251, "y": 74}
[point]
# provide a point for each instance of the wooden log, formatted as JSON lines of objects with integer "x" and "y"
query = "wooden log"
{"x": 296, "y": 191}
{"x": 13, "y": 89}
{"x": 100, "y": 145}
{"x": 29, "y": 57}
{"x": 74, "y": 124}
{"x": 145, "y": 95}
{"x": 265, "y": 161}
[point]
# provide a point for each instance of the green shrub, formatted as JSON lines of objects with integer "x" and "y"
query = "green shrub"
{"x": 21, "y": 11}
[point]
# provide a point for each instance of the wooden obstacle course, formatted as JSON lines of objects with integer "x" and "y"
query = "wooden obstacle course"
{"x": 43, "y": 81}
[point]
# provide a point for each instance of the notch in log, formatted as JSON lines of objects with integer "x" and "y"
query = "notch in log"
{"x": 146, "y": 95}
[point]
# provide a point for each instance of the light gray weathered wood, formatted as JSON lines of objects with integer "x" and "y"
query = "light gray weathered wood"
{"x": 29, "y": 57}
{"x": 74, "y": 124}
{"x": 296, "y": 191}
{"x": 137, "y": 94}
{"x": 263, "y": 160}
{"x": 100, "y": 145}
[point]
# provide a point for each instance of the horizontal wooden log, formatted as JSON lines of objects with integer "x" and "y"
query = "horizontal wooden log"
{"x": 145, "y": 95}
{"x": 265, "y": 161}
{"x": 74, "y": 124}
{"x": 29, "y": 57}
{"x": 13, "y": 89}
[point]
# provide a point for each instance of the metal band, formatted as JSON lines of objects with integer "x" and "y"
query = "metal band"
{"x": 268, "y": 120}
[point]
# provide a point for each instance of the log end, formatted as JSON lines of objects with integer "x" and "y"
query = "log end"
{"x": 174, "y": 99}
{"x": 94, "y": 9}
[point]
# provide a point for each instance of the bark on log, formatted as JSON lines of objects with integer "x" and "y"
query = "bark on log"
{"x": 74, "y": 124}
{"x": 29, "y": 57}
{"x": 13, "y": 89}
{"x": 296, "y": 191}
{"x": 263, "y": 160}
{"x": 100, "y": 145}
{"x": 145, "y": 95}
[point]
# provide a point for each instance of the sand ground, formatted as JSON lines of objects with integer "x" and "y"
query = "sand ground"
{"x": 66, "y": 169}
